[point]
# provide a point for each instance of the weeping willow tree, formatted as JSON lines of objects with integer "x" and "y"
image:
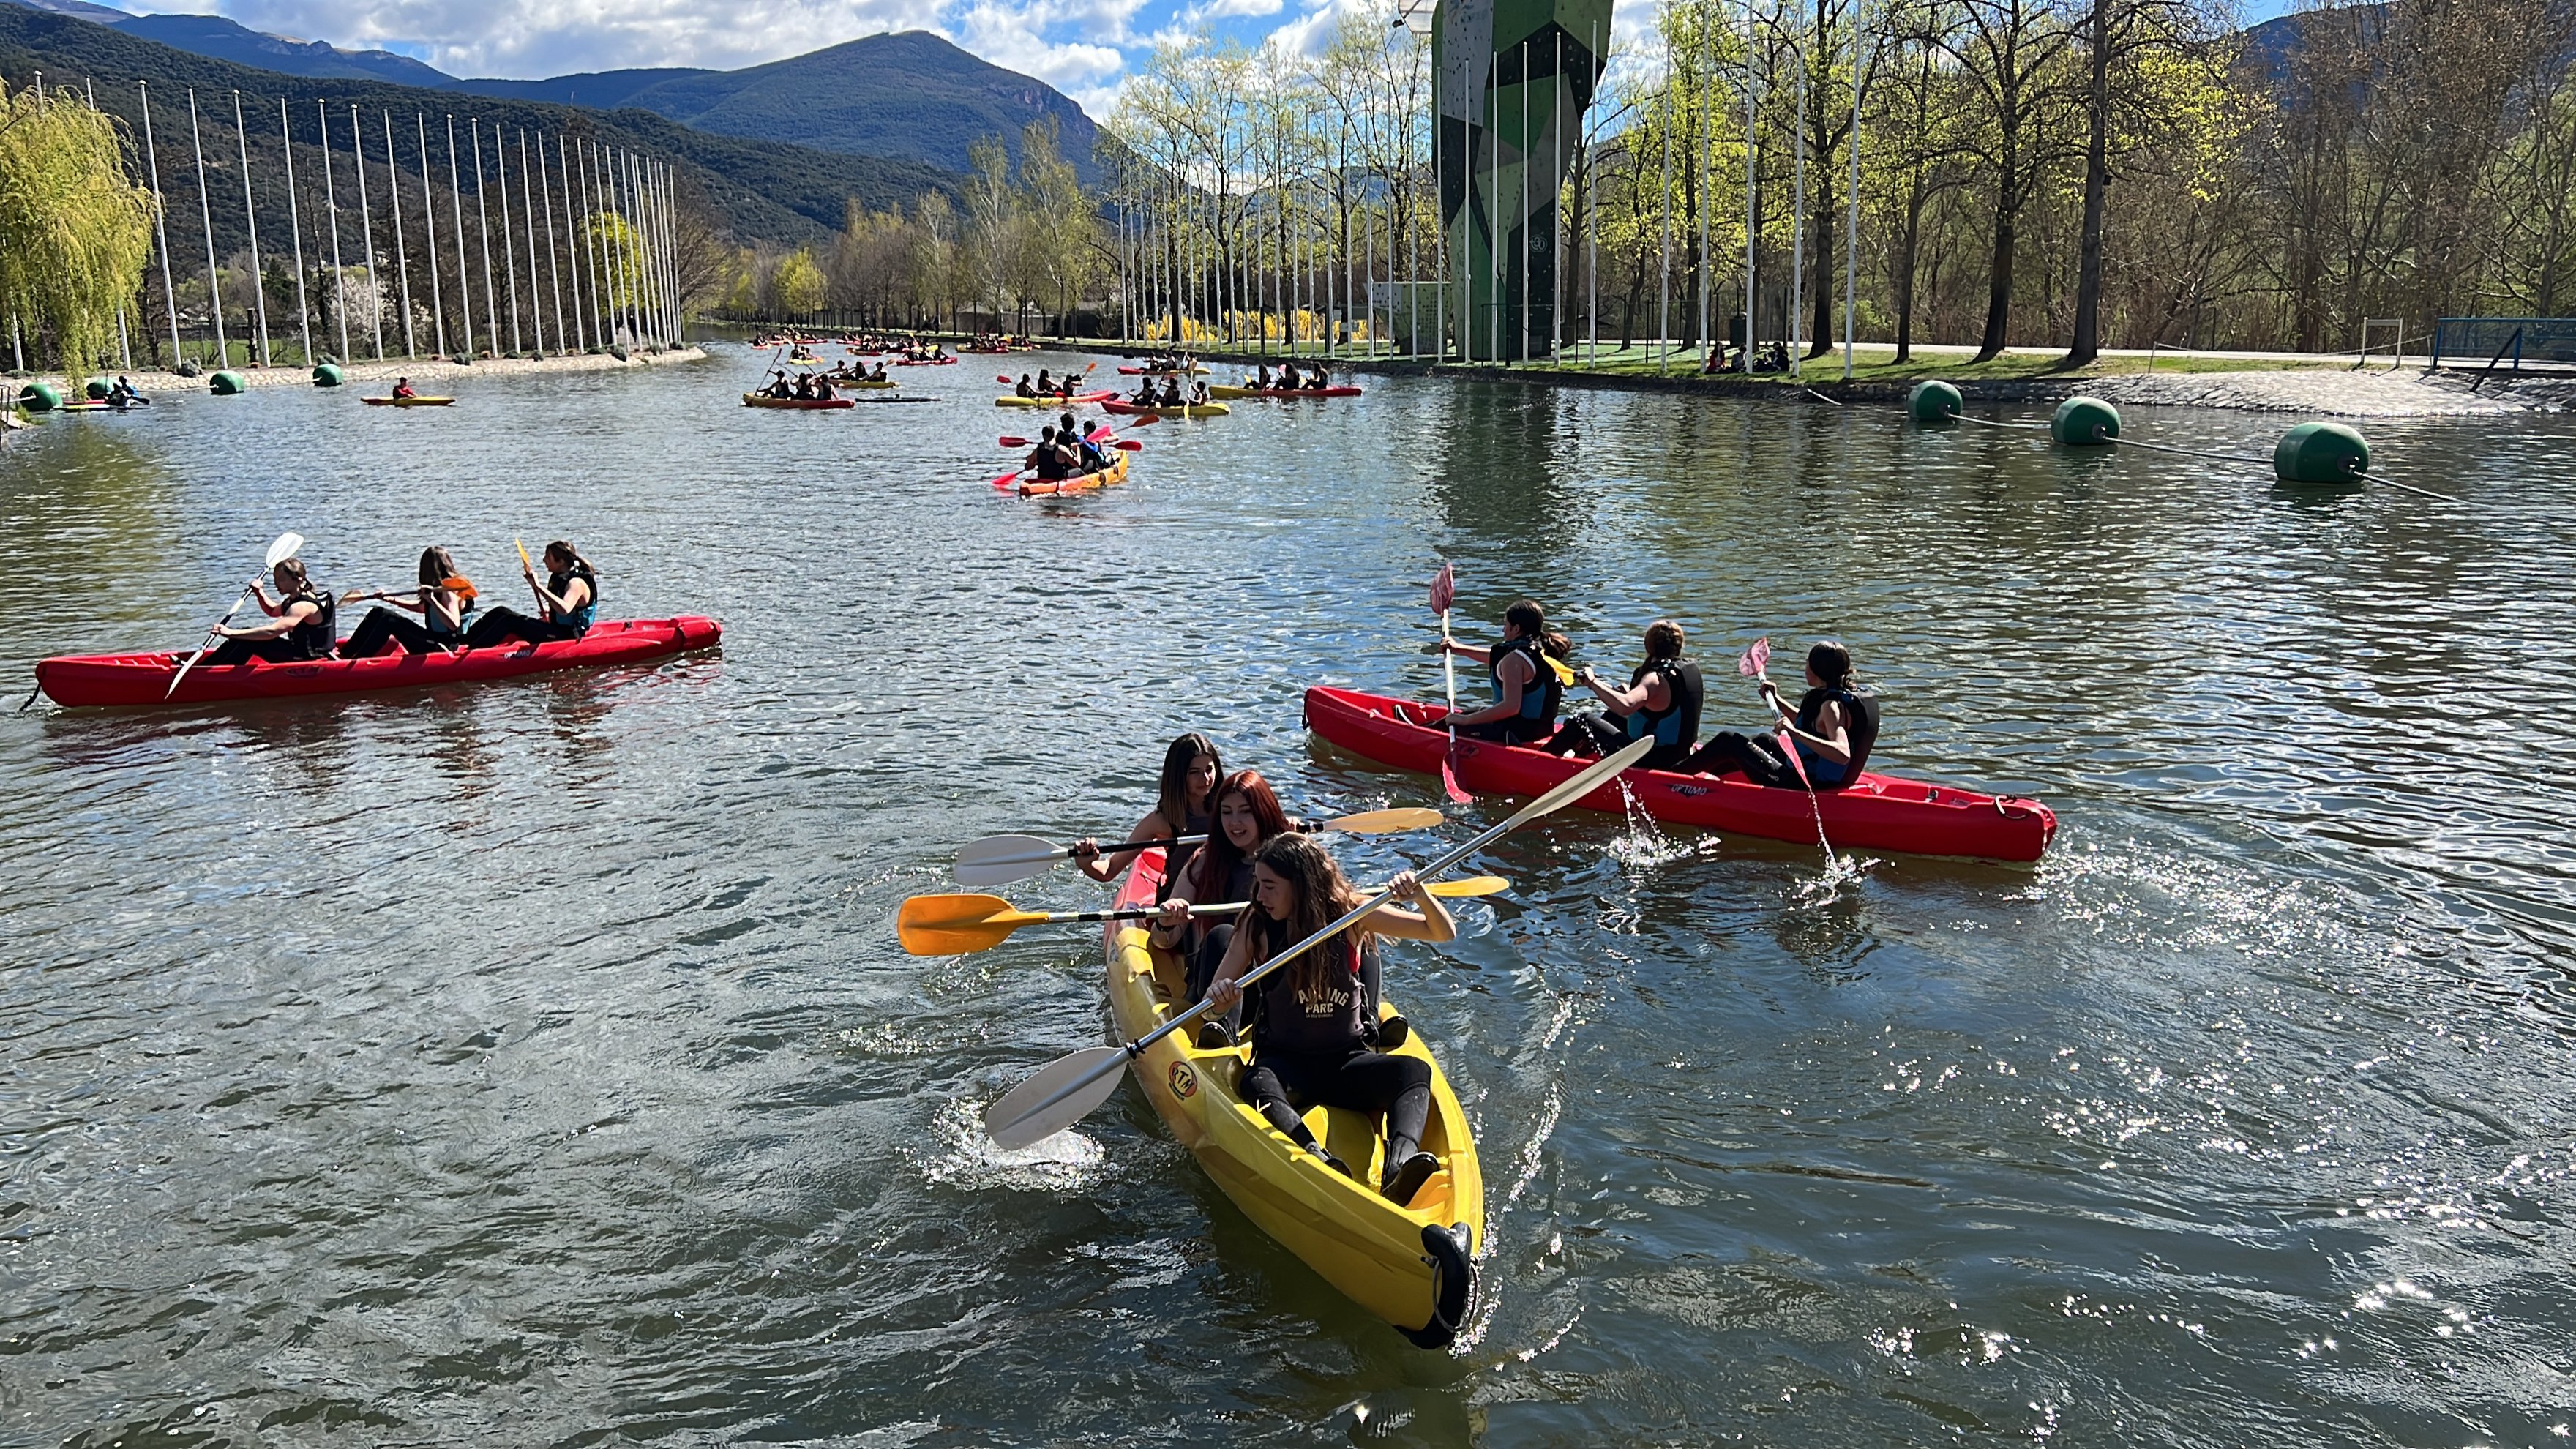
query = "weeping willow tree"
{"x": 624, "y": 275}
{"x": 75, "y": 229}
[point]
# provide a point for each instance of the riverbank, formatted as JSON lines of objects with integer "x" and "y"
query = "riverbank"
{"x": 2246, "y": 382}
{"x": 421, "y": 370}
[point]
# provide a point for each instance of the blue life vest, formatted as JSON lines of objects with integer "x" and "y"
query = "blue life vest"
{"x": 1539, "y": 697}
{"x": 1860, "y": 731}
{"x": 1676, "y": 725}
{"x": 579, "y": 618}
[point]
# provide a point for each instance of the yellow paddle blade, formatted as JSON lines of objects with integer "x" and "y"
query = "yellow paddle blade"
{"x": 1564, "y": 675}
{"x": 954, "y": 925}
{"x": 1383, "y": 822}
{"x": 1474, "y": 885}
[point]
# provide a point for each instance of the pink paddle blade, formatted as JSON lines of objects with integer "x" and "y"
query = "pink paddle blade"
{"x": 1449, "y": 777}
{"x": 1444, "y": 588}
{"x": 1756, "y": 659}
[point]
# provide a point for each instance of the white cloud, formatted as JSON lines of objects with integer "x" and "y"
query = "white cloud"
{"x": 1218, "y": 9}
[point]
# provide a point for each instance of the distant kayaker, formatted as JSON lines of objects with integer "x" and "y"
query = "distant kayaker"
{"x": 402, "y": 388}
{"x": 1046, "y": 384}
{"x": 443, "y": 600}
{"x": 1315, "y": 378}
{"x": 1171, "y": 397}
{"x": 823, "y": 388}
{"x": 1662, "y": 699}
{"x": 878, "y": 373}
{"x": 1026, "y": 388}
{"x": 1198, "y": 394}
{"x": 569, "y": 598}
{"x": 1310, "y": 1042}
{"x": 1191, "y": 769}
{"x": 1046, "y": 459}
{"x": 302, "y": 623}
{"x": 123, "y": 394}
{"x": 1833, "y": 729}
{"x": 1288, "y": 376}
{"x": 1260, "y": 381}
{"x": 1088, "y": 454}
{"x": 1526, "y": 691}
{"x": 1248, "y": 816}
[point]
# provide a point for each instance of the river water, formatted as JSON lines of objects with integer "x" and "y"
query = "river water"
{"x": 534, "y": 1063}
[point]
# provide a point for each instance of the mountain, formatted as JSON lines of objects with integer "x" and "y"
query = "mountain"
{"x": 763, "y": 191}
{"x": 607, "y": 89}
{"x": 908, "y": 94}
{"x": 221, "y": 39}
{"x": 81, "y": 8}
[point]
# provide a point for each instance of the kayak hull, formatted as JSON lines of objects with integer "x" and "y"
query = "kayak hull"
{"x": 1281, "y": 392}
{"x": 1109, "y": 477}
{"x": 755, "y": 400}
{"x": 1160, "y": 371}
{"x": 143, "y": 679}
{"x": 407, "y": 402}
{"x": 1053, "y": 401}
{"x": 1411, "y": 1266}
{"x": 1878, "y": 812}
{"x": 1186, "y": 410}
{"x": 926, "y": 362}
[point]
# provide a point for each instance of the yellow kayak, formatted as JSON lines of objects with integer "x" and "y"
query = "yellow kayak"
{"x": 406, "y": 402}
{"x": 865, "y": 382}
{"x": 1412, "y": 1265}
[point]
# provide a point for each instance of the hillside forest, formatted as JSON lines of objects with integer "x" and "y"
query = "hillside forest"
{"x": 2088, "y": 173}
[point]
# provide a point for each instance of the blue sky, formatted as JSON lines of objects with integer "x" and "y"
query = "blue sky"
{"x": 1084, "y": 48}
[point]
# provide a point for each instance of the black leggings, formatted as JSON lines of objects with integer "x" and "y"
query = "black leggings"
{"x": 385, "y": 626}
{"x": 1595, "y": 734}
{"x": 1759, "y": 757}
{"x": 502, "y": 624}
{"x": 1514, "y": 731}
{"x": 243, "y": 651}
{"x": 1372, "y": 1082}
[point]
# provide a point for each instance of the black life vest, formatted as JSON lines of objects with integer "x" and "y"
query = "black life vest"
{"x": 1675, "y": 727}
{"x": 1539, "y": 698}
{"x": 1329, "y": 1022}
{"x": 579, "y": 618}
{"x": 316, "y": 636}
{"x": 1860, "y": 731}
{"x": 1178, "y": 859}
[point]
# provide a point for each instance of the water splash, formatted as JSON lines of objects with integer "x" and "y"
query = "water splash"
{"x": 1643, "y": 845}
{"x": 1065, "y": 1162}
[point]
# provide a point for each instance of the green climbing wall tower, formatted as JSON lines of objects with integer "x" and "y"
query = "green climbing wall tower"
{"x": 1514, "y": 79}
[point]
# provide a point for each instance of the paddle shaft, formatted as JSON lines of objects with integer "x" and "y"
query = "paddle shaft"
{"x": 210, "y": 637}
{"x": 1541, "y": 806}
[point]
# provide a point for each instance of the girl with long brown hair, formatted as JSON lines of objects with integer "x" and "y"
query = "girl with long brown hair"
{"x": 1247, "y": 816}
{"x": 1310, "y": 1043}
{"x": 301, "y": 625}
{"x": 1191, "y": 768}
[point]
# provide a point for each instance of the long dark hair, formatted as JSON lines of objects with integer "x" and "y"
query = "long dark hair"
{"x": 294, "y": 569}
{"x": 1172, "y": 792}
{"x": 581, "y": 568}
{"x": 437, "y": 565}
{"x": 1324, "y": 895}
{"x": 1832, "y": 663}
{"x": 1211, "y": 868}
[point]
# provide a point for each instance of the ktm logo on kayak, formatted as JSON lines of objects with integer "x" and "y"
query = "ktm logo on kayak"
{"x": 1185, "y": 1083}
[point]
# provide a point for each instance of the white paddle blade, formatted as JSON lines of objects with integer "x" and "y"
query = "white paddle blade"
{"x": 1584, "y": 784}
{"x": 288, "y": 545}
{"x": 1385, "y": 822}
{"x": 1061, "y": 1094}
{"x": 1002, "y": 859}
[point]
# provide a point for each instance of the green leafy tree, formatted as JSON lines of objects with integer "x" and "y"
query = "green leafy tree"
{"x": 75, "y": 228}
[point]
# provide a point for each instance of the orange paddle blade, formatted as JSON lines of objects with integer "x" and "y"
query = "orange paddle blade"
{"x": 954, "y": 925}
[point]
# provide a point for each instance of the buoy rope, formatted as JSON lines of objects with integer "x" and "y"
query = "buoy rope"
{"x": 2185, "y": 452}
{"x": 2409, "y": 487}
{"x": 1994, "y": 422}
{"x": 1820, "y": 397}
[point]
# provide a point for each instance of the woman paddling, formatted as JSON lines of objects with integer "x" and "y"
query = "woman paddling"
{"x": 301, "y": 624}
{"x": 1662, "y": 699}
{"x": 1191, "y": 768}
{"x": 1247, "y": 817}
{"x": 1526, "y": 691}
{"x": 443, "y": 600}
{"x": 569, "y": 599}
{"x": 1309, "y": 1043}
{"x": 1833, "y": 730}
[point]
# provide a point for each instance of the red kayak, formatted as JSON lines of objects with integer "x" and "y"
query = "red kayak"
{"x": 925, "y": 361}
{"x": 79, "y": 679}
{"x": 1337, "y": 390}
{"x": 1877, "y": 812}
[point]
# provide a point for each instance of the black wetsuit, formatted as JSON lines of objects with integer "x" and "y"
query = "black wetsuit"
{"x": 311, "y": 639}
{"x": 1313, "y": 1049}
{"x": 502, "y": 624}
{"x": 383, "y": 626}
{"x": 1539, "y": 698}
{"x": 1760, "y": 759}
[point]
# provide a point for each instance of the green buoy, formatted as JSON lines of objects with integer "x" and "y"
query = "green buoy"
{"x": 328, "y": 374}
{"x": 2085, "y": 422}
{"x": 40, "y": 397}
{"x": 2328, "y": 453}
{"x": 1932, "y": 402}
{"x": 227, "y": 382}
{"x": 98, "y": 389}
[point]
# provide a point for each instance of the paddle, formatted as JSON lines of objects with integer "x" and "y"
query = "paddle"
{"x": 1755, "y": 663}
{"x": 958, "y": 925}
{"x": 1444, "y": 592}
{"x": 1065, "y": 1090}
{"x": 280, "y": 551}
{"x": 457, "y": 583}
{"x": 528, "y": 568}
{"x": 1002, "y": 859}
